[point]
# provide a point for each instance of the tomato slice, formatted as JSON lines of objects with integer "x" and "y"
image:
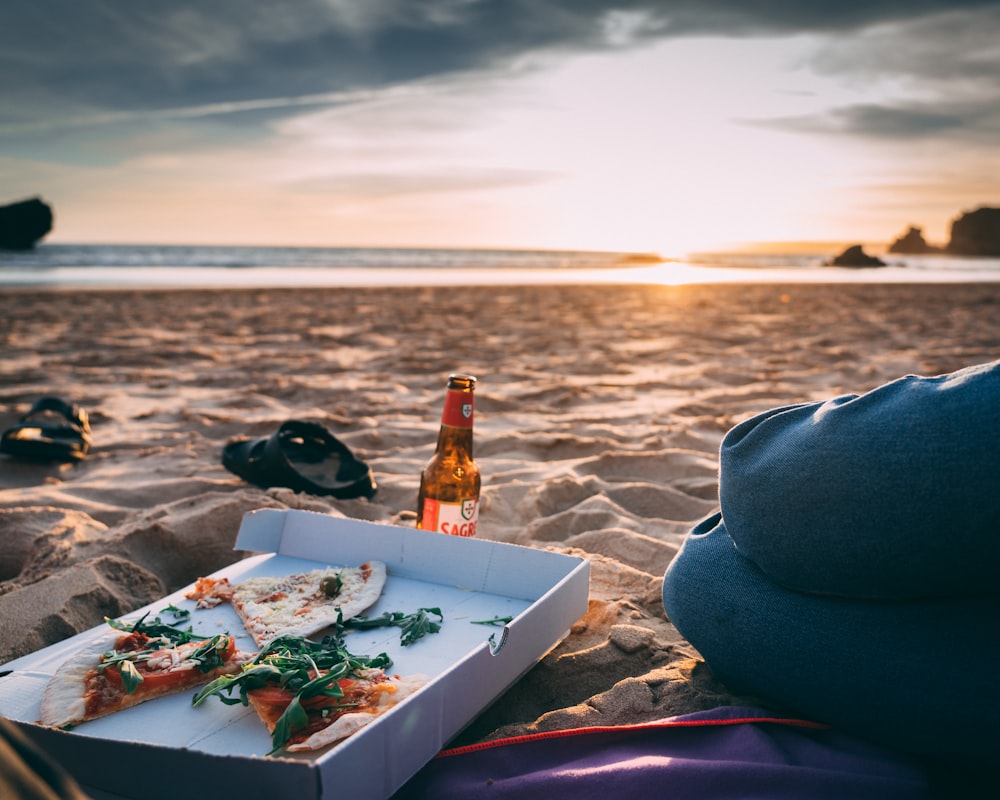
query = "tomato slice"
{"x": 279, "y": 698}
{"x": 153, "y": 678}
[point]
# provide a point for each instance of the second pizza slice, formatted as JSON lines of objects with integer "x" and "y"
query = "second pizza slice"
{"x": 302, "y": 603}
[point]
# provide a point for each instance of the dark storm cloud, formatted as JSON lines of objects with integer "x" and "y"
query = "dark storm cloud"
{"x": 950, "y": 46}
{"x": 65, "y": 59}
{"x": 948, "y": 65}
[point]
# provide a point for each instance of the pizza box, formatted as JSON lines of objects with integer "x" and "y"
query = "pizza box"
{"x": 152, "y": 750}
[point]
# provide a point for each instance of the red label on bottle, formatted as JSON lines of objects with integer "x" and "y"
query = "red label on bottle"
{"x": 429, "y": 515}
{"x": 457, "y": 410}
{"x": 456, "y": 519}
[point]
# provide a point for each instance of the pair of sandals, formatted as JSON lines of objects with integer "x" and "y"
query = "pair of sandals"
{"x": 303, "y": 456}
{"x": 52, "y": 430}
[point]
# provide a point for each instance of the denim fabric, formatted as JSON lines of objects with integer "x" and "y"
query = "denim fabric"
{"x": 894, "y": 493}
{"x": 852, "y": 575}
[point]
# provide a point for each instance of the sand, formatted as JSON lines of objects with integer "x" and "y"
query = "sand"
{"x": 599, "y": 415}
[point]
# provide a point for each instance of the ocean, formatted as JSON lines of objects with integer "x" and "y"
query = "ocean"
{"x": 67, "y": 266}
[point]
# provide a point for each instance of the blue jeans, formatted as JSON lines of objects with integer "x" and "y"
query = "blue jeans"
{"x": 852, "y": 574}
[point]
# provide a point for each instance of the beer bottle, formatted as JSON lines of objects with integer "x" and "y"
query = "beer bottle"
{"x": 448, "y": 501}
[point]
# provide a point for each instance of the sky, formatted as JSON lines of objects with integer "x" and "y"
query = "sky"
{"x": 664, "y": 126}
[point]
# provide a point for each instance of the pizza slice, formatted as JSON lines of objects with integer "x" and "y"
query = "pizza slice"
{"x": 302, "y": 603}
{"x": 329, "y": 716}
{"x": 131, "y": 664}
{"x": 312, "y": 694}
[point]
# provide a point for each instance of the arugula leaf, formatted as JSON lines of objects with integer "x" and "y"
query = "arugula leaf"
{"x": 415, "y": 626}
{"x": 130, "y": 676}
{"x": 253, "y": 676}
{"x": 295, "y": 718}
{"x": 211, "y": 653}
{"x": 498, "y": 621}
{"x": 412, "y": 626}
{"x": 155, "y": 629}
{"x": 178, "y": 613}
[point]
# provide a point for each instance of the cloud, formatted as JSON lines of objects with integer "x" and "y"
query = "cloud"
{"x": 937, "y": 77}
{"x": 70, "y": 60}
{"x": 914, "y": 122}
{"x": 375, "y": 185}
{"x": 944, "y": 50}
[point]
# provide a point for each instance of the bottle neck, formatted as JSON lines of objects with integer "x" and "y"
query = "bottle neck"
{"x": 458, "y": 409}
{"x": 456, "y": 422}
{"x": 455, "y": 441}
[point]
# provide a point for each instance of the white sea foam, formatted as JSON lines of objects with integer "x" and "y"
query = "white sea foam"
{"x": 105, "y": 266}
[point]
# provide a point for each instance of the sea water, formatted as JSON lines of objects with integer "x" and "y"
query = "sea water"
{"x": 175, "y": 266}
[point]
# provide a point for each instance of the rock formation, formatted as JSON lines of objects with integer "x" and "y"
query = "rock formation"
{"x": 976, "y": 233}
{"x": 855, "y": 256}
{"x": 912, "y": 243}
{"x": 23, "y": 223}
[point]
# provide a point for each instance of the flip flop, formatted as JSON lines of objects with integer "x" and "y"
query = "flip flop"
{"x": 303, "y": 456}
{"x": 53, "y": 430}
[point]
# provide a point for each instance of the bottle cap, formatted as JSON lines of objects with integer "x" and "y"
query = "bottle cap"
{"x": 461, "y": 380}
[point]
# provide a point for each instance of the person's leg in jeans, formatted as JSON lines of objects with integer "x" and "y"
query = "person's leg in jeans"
{"x": 918, "y": 675}
{"x": 894, "y": 493}
{"x": 854, "y": 577}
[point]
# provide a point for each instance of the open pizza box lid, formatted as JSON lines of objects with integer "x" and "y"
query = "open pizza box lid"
{"x": 163, "y": 746}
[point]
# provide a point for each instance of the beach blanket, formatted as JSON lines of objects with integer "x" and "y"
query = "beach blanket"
{"x": 722, "y": 754}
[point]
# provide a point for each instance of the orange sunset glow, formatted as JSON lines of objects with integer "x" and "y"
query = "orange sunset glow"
{"x": 648, "y": 128}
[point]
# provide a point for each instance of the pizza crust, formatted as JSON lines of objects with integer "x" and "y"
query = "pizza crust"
{"x": 63, "y": 699}
{"x": 347, "y": 724}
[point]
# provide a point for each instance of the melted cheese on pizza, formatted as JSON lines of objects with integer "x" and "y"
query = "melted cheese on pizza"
{"x": 305, "y": 603}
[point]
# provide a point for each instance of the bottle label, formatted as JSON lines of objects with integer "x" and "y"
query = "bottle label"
{"x": 457, "y": 410}
{"x": 456, "y": 519}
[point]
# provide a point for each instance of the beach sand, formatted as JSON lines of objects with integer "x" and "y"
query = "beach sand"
{"x": 599, "y": 413}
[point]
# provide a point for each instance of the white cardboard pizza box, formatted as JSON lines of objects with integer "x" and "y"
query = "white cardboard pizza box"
{"x": 154, "y": 749}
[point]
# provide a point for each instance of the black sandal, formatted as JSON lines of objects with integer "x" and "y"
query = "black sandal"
{"x": 303, "y": 456}
{"x": 53, "y": 430}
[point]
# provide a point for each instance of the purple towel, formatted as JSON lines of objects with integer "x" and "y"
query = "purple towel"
{"x": 720, "y": 754}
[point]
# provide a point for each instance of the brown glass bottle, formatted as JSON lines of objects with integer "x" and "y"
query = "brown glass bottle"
{"x": 448, "y": 500}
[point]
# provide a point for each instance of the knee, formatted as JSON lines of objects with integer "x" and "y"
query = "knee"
{"x": 850, "y": 497}
{"x": 687, "y": 577}
{"x": 703, "y": 595}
